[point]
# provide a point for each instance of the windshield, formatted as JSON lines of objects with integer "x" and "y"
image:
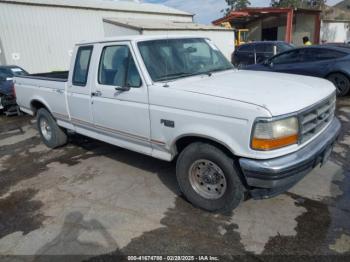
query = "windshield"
{"x": 284, "y": 47}
{"x": 175, "y": 58}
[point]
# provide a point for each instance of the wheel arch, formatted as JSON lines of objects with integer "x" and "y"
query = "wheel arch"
{"x": 36, "y": 104}
{"x": 337, "y": 72}
{"x": 181, "y": 142}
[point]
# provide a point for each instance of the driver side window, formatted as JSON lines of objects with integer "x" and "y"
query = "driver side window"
{"x": 287, "y": 58}
{"x": 118, "y": 68}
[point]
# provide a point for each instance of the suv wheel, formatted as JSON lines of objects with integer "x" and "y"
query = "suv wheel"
{"x": 51, "y": 134}
{"x": 341, "y": 82}
{"x": 208, "y": 178}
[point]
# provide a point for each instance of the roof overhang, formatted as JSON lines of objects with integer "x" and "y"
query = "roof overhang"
{"x": 161, "y": 25}
{"x": 121, "y": 6}
{"x": 248, "y": 14}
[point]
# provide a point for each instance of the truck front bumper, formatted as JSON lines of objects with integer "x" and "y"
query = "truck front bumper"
{"x": 267, "y": 178}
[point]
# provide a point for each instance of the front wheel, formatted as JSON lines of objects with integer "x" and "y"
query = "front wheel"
{"x": 208, "y": 178}
{"x": 52, "y": 135}
{"x": 341, "y": 82}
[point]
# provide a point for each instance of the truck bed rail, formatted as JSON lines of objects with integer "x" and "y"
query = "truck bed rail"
{"x": 59, "y": 76}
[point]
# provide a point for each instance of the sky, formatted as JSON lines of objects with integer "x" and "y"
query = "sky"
{"x": 208, "y": 10}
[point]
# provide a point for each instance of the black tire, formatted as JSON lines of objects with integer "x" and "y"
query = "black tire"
{"x": 341, "y": 82}
{"x": 234, "y": 192}
{"x": 58, "y": 136}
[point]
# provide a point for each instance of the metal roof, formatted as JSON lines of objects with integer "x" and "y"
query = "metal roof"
{"x": 126, "y": 6}
{"x": 252, "y": 13}
{"x": 149, "y": 24}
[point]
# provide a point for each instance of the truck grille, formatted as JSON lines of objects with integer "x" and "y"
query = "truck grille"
{"x": 313, "y": 120}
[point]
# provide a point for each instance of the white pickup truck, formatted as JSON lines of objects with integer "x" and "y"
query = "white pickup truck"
{"x": 233, "y": 133}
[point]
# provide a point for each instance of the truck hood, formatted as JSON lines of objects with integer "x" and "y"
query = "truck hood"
{"x": 278, "y": 93}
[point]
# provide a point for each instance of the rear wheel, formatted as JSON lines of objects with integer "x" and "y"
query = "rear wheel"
{"x": 52, "y": 135}
{"x": 341, "y": 82}
{"x": 208, "y": 178}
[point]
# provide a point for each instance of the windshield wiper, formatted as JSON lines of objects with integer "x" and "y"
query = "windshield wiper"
{"x": 218, "y": 70}
{"x": 175, "y": 76}
{"x": 186, "y": 74}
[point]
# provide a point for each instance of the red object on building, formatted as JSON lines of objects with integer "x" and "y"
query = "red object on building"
{"x": 256, "y": 13}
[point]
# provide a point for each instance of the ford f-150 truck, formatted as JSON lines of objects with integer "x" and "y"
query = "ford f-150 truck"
{"x": 233, "y": 133}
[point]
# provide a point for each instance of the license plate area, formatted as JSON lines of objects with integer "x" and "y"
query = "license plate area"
{"x": 326, "y": 154}
{"x": 323, "y": 157}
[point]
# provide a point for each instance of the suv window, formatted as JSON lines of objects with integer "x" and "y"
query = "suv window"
{"x": 281, "y": 47}
{"x": 264, "y": 48}
{"x": 317, "y": 54}
{"x": 4, "y": 73}
{"x": 118, "y": 68}
{"x": 329, "y": 54}
{"x": 246, "y": 48}
{"x": 288, "y": 57}
{"x": 81, "y": 67}
{"x": 16, "y": 71}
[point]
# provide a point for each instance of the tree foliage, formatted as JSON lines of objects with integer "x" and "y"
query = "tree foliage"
{"x": 236, "y": 5}
{"x": 317, "y": 4}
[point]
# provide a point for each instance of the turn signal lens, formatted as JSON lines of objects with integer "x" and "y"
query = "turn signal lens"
{"x": 270, "y": 135}
{"x": 265, "y": 144}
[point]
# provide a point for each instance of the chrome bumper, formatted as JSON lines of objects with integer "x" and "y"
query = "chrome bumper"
{"x": 267, "y": 178}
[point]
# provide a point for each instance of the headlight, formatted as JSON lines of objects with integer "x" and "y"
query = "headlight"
{"x": 269, "y": 135}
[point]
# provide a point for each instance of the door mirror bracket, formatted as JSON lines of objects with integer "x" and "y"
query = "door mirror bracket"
{"x": 122, "y": 88}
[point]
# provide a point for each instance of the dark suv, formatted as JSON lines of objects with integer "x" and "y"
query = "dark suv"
{"x": 7, "y": 92}
{"x": 258, "y": 52}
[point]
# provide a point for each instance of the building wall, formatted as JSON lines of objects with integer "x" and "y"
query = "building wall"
{"x": 224, "y": 40}
{"x": 281, "y": 33}
{"x": 304, "y": 26}
{"x": 256, "y": 27}
{"x": 335, "y": 31}
{"x": 40, "y": 38}
{"x": 255, "y": 30}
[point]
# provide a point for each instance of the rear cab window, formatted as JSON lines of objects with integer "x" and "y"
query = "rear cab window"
{"x": 81, "y": 66}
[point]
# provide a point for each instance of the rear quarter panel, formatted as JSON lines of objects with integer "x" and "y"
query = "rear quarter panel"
{"x": 340, "y": 66}
{"x": 49, "y": 93}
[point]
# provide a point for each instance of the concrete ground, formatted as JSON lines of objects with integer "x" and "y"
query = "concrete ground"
{"x": 95, "y": 199}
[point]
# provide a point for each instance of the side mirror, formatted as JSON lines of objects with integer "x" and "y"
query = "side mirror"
{"x": 268, "y": 62}
{"x": 123, "y": 88}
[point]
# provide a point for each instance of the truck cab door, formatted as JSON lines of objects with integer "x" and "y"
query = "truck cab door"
{"x": 78, "y": 89}
{"x": 120, "y": 105}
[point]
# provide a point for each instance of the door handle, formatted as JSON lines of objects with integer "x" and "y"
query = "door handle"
{"x": 97, "y": 93}
{"x": 60, "y": 91}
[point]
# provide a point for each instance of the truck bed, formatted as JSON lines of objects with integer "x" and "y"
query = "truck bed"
{"x": 34, "y": 87}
